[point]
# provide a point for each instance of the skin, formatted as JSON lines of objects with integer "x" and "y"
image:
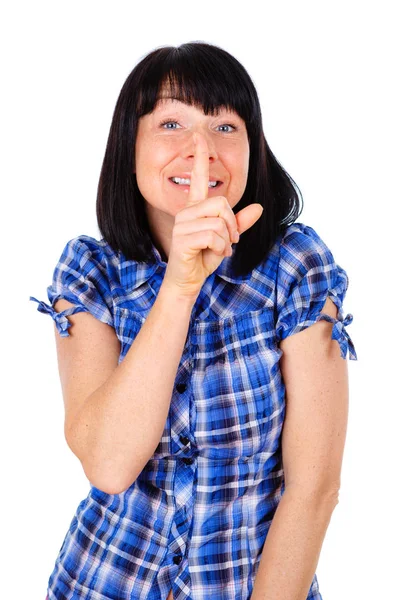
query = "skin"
{"x": 163, "y": 151}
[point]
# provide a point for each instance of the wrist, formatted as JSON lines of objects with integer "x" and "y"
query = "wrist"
{"x": 172, "y": 293}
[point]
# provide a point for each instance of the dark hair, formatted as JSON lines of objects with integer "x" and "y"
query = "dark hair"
{"x": 208, "y": 76}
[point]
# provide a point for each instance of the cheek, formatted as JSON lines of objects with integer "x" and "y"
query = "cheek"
{"x": 150, "y": 161}
{"x": 239, "y": 170}
{"x": 238, "y": 160}
{"x": 239, "y": 175}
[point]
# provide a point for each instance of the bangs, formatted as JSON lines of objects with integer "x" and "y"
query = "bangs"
{"x": 201, "y": 82}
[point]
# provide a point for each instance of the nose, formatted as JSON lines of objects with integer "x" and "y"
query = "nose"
{"x": 190, "y": 148}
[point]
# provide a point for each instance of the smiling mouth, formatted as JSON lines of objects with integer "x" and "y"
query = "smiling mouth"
{"x": 185, "y": 186}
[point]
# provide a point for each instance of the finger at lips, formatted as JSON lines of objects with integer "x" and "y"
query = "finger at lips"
{"x": 200, "y": 172}
{"x": 199, "y": 182}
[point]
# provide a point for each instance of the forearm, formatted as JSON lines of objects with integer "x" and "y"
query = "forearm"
{"x": 292, "y": 547}
{"x": 121, "y": 423}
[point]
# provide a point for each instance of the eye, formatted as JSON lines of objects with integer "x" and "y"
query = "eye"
{"x": 167, "y": 123}
{"x": 228, "y": 125}
{"x": 170, "y": 122}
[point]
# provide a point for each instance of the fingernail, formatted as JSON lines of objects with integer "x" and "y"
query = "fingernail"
{"x": 236, "y": 237}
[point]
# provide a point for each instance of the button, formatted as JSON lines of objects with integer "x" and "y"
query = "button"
{"x": 177, "y": 559}
{"x": 187, "y": 461}
{"x": 185, "y": 440}
{"x": 181, "y": 387}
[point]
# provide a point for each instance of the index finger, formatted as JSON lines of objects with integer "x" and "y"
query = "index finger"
{"x": 201, "y": 171}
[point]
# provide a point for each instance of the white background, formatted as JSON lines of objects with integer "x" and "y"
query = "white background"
{"x": 327, "y": 77}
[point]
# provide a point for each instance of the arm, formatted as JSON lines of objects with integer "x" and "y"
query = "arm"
{"x": 313, "y": 438}
{"x": 119, "y": 426}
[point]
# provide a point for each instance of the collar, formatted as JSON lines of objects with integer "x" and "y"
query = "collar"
{"x": 133, "y": 273}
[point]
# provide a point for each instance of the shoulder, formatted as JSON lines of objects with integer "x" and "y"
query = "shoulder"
{"x": 85, "y": 247}
{"x": 86, "y": 262}
{"x": 306, "y": 266}
{"x": 298, "y": 251}
{"x": 88, "y": 252}
{"x": 301, "y": 248}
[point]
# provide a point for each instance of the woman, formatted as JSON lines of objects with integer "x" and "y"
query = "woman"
{"x": 193, "y": 397}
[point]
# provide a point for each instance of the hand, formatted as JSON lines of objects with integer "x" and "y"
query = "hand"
{"x": 204, "y": 230}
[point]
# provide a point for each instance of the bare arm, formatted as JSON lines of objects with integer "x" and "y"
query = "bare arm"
{"x": 313, "y": 440}
{"x": 119, "y": 426}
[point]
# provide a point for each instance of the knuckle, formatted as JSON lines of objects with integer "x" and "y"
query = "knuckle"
{"x": 225, "y": 206}
{"x": 221, "y": 224}
{"x": 184, "y": 214}
{"x": 222, "y": 201}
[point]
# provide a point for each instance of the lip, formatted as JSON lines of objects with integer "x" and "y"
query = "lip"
{"x": 189, "y": 176}
{"x": 186, "y": 188}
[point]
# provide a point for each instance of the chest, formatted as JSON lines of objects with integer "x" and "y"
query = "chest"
{"x": 228, "y": 394}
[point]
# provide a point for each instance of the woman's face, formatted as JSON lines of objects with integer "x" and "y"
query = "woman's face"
{"x": 165, "y": 148}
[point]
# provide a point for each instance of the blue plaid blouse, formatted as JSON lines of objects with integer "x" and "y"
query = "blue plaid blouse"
{"x": 197, "y": 516}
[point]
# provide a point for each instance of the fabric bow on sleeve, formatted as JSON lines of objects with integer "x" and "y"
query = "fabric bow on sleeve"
{"x": 60, "y": 318}
{"x": 340, "y": 334}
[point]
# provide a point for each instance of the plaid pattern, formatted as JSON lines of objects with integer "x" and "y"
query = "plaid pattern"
{"x": 198, "y": 514}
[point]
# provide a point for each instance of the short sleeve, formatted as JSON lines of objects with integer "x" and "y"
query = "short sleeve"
{"x": 80, "y": 277}
{"x": 307, "y": 275}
